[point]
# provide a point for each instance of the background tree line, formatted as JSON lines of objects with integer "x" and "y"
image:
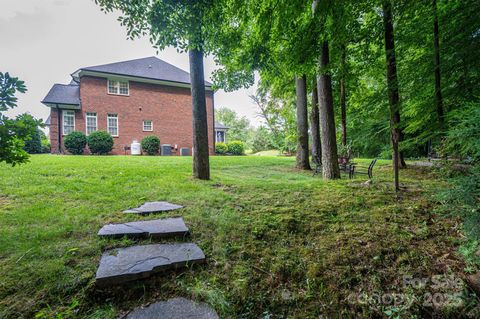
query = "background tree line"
{"x": 401, "y": 74}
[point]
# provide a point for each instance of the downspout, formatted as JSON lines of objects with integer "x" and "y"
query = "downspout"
{"x": 59, "y": 147}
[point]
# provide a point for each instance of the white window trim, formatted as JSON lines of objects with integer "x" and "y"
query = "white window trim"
{"x": 143, "y": 124}
{"x": 108, "y": 125}
{"x": 117, "y": 85}
{"x": 86, "y": 122}
{"x": 224, "y": 136}
{"x": 63, "y": 121}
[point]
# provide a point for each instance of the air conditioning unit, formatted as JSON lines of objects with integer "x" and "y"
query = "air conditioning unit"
{"x": 185, "y": 151}
{"x": 166, "y": 149}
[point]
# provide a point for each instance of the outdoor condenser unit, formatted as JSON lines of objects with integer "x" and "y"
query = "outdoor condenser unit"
{"x": 185, "y": 151}
{"x": 166, "y": 149}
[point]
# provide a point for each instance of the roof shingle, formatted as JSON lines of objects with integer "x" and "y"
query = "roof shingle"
{"x": 63, "y": 94}
{"x": 220, "y": 126}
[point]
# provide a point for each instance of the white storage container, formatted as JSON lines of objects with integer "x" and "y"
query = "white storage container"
{"x": 135, "y": 148}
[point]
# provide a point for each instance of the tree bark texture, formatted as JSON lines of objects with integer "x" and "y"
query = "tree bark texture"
{"x": 327, "y": 117}
{"x": 343, "y": 98}
{"x": 437, "y": 69}
{"x": 303, "y": 161}
{"x": 201, "y": 165}
{"x": 315, "y": 125}
{"x": 392, "y": 84}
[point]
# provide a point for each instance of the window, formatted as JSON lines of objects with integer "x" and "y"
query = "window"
{"x": 112, "y": 87}
{"x": 148, "y": 125}
{"x": 112, "y": 124}
{"x": 220, "y": 137}
{"x": 123, "y": 87}
{"x": 68, "y": 122}
{"x": 118, "y": 87}
{"x": 91, "y": 122}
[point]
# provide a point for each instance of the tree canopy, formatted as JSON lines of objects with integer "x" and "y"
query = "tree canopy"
{"x": 14, "y": 132}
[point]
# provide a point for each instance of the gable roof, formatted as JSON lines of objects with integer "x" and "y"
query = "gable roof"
{"x": 63, "y": 94}
{"x": 148, "y": 68}
{"x": 220, "y": 126}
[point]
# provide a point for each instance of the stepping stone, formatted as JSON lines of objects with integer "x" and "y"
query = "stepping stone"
{"x": 153, "y": 207}
{"x": 174, "y": 309}
{"x": 154, "y": 228}
{"x": 125, "y": 264}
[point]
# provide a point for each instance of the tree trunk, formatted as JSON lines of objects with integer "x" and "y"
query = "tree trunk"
{"x": 315, "y": 125}
{"x": 343, "y": 98}
{"x": 437, "y": 70}
{"x": 303, "y": 161}
{"x": 392, "y": 83}
{"x": 201, "y": 166}
{"x": 327, "y": 119}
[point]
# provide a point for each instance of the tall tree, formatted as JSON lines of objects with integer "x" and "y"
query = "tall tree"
{"x": 303, "y": 161}
{"x": 188, "y": 26}
{"x": 392, "y": 84}
{"x": 201, "y": 165}
{"x": 343, "y": 94}
{"x": 330, "y": 167}
{"x": 315, "y": 124}
{"x": 437, "y": 70}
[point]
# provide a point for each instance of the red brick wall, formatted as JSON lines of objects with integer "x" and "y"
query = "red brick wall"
{"x": 170, "y": 109}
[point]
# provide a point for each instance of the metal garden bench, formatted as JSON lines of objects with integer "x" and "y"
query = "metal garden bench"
{"x": 356, "y": 169}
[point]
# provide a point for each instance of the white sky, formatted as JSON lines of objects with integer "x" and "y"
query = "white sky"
{"x": 43, "y": 41}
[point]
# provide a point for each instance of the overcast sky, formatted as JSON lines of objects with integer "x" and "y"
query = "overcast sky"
{"x": 43, "y": 41}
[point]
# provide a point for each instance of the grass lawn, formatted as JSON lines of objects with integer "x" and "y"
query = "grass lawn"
{"x": 279, "y": 243}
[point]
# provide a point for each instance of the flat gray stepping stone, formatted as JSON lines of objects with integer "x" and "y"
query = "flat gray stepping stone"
{"x": 174, "y": 309}
{"x": 125, "y": 264}
{"x": 154, "y": 228}
{"x": 153, "y": 207}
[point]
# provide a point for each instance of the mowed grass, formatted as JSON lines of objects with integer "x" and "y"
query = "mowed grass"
{"x": 279, "y": 243}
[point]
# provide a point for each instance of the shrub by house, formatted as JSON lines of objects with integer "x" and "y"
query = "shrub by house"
{"x": 100, "y": 142}
{"x": 75, "y": 142}
{"x": 151, "y": 145}
{"x": 221, "y": 148}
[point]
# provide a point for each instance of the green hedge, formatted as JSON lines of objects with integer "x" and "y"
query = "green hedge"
{"x": 151, "y": 145}
{"x": 221, "y": 148}
{"x": 100, "y": 142}
{"x": 236, "y": 148}
{"x": 75, "y": 142}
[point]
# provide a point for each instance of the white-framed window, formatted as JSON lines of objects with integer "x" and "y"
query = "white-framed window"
{"x": 118, "y": 87}
{"x": 68, "y": 119}
{"x": 220, "y": 136}
{"x": 147, "y": 125}
{"x": 112, "y": 124}
{"x": 123, "y": 88}
{"x": 91, "y": 120}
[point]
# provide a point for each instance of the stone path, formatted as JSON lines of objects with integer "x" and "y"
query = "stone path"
{"x": 126, "y": 264}
{"x": 122, "y": 265}
{"x": 177, "y": 308}
{"x": 153, "y": 207}
{"x": 154, "y": 228}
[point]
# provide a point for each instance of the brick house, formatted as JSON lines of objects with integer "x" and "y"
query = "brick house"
{"x": 130, "y": 100}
